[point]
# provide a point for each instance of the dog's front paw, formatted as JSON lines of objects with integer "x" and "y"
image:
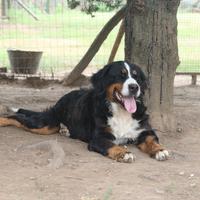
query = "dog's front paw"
{"x": 63, "y": 130}
{"x": 162, "y": 155}
{"x": 121, "y": 154}
{"x": 127, "y": 158}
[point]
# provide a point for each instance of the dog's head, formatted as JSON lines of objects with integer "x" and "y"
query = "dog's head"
{"x": 122, "y": 83}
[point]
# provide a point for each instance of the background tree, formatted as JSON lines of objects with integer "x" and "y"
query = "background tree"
{"x": 90, "y": 6}
{"x": 151, "y": 42}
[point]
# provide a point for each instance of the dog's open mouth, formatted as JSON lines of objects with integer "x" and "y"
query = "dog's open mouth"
{"x": 128, "y": 102}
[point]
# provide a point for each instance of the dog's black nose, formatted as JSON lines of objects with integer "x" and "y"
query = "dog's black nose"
{"x": 133, "y": 88}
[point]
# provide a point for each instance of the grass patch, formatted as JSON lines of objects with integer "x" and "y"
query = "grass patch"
{"x": 189, "y": 41}
{"x": 65, "y": 36}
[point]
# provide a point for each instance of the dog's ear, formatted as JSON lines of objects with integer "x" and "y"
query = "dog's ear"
{"x": 98, "y": 80}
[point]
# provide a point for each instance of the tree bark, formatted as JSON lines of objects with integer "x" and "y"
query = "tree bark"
{"x": 151, "y": 42}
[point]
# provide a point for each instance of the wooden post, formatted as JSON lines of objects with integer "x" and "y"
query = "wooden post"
{"x": 8, "y": 4}
{"x": 194, "y": 79}
{"x": 27, "y": 9}
{"x": 117, "y": 43}
{"x": 3, "y": 8}
{"x": 47, "y": 6}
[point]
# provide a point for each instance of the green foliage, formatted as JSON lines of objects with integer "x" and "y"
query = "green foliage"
{"x": 73, "y": 3}
{"x": 90, "y": 6}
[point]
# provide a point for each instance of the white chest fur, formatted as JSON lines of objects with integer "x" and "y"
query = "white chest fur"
{"x": 123, "y": 126}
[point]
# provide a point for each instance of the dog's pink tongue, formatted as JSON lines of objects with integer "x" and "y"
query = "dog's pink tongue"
{"x": 130, "y": 104}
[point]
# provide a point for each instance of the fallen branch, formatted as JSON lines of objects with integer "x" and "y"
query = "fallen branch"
{"x": 75, "y": 73}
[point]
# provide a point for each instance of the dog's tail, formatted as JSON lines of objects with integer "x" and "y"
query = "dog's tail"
{"x": 44, "y": 123}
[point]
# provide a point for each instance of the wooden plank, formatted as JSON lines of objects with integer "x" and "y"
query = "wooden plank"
{"x": 93, "y": 49}
{"x": 27, "y": 9}
{"x": 117, "y": 43}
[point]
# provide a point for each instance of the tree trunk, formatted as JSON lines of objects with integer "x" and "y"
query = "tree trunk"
{"x": 151, "y": 42}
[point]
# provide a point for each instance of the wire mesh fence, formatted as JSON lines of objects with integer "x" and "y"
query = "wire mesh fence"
{"x": 64, "y": 35}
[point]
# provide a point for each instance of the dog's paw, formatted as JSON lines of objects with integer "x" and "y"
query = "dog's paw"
{"x": 162, "y": 155}
{"x": 121, "y": 154}
{"x": 63, "y": 130}
{"x": 127, "y": 158}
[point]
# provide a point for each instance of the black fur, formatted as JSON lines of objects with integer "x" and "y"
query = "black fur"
{"x": 86, "y": 112}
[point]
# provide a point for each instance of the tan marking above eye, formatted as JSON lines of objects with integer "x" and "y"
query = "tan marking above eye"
{"x": 134, "y": 72}
{"x": 124, "y": 71}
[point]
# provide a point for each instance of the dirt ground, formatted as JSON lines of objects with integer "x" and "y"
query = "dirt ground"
{"x": 25, "y": 174}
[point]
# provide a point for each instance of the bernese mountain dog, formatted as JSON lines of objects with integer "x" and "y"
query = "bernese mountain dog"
{"x": 107, "y": 116}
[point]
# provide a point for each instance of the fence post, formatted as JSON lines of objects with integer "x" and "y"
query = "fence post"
{"x": 3, "y": 8}
{"x": 47, "y": 6}
{"x": 194, "y": 79}
{"x": 8, "y": 4}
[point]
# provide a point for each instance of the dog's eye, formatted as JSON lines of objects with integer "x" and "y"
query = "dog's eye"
{"x": 134, "y": 72}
